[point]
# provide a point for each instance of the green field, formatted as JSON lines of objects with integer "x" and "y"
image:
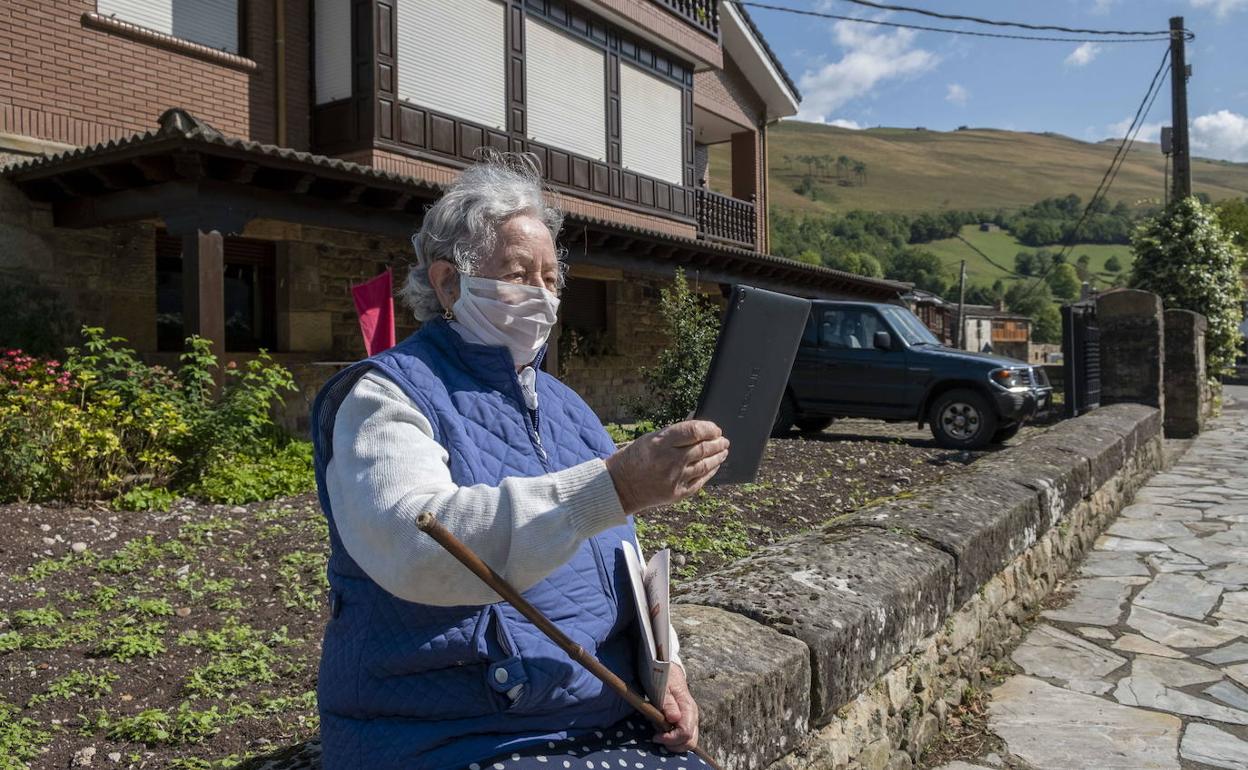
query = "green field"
{"x": 1001, "y": 247}
{"x": 913, "y": 170}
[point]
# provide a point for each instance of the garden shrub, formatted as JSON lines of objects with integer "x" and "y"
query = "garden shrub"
{"x": 106, "y": 425}
{"x": 673, "y": 384}
{"x": 1183, "y": 256}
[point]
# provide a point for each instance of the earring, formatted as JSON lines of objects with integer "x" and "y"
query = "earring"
{"x": 448, "y": 315}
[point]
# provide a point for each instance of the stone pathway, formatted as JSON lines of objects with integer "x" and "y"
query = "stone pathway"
{"x": 1147, "y": 665}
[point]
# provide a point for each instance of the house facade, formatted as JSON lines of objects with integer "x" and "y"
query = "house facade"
{"x": 231, "y": 167}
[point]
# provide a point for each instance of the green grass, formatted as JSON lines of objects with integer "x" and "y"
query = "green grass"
{"x": 1001, "y": 247}
{"x": 915, "y": 171}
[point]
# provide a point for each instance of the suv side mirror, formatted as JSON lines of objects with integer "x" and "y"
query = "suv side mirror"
{"x": 884, "y": 340}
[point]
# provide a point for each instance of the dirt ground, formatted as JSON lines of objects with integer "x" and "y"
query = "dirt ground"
{"x": 191, "y": 639}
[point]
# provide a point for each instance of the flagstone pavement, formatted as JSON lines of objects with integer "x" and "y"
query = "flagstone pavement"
{"x": 1147, "y": 665}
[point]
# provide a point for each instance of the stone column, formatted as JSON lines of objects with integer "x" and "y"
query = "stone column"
{"x": 1132, "y": 347}
{"x": 1186, "y": 387}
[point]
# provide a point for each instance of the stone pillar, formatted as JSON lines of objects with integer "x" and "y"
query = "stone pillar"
{"x": 1187, "y": 391}
{"x": 1132, "y": 347}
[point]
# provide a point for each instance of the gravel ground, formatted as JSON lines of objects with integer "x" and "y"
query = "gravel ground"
{"x": 191, "y": 639}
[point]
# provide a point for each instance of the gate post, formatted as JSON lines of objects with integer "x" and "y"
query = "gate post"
{"x": 1187, "y": 392}
{"x": 1132, "y": 347}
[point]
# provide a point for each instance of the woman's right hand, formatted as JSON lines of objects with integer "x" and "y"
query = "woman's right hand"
{"x": 667, "y": 465}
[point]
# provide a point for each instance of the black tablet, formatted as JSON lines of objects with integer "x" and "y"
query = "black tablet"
{"x": 758, "y": 340}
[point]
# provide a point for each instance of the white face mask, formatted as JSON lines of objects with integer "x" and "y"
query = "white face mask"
{"x": 516, "y": 316}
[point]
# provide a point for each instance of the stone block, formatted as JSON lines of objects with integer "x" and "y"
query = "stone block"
{"x": 982, "y": 520}
{"x": 310, "y": 332}
{"x": 859, "y": 597}
{"x": 752, "y": 685}
{"x": 1186, "y": 389}
{"x": 1132, "y": 347}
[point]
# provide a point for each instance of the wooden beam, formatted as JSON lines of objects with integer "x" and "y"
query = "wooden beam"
{"x": 203, "y": 288}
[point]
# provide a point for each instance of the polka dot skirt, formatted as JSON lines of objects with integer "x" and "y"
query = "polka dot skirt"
{"x": 625, "y": 746}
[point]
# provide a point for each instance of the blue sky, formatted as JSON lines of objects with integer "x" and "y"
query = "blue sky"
{"x": 861, "y": 75}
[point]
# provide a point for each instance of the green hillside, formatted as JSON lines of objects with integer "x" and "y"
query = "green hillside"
{"x": 917, "y": 170}
{"x": 1001, "y": 247}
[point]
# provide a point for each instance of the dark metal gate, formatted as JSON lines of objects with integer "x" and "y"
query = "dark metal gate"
{"x": 1081, "y": 357}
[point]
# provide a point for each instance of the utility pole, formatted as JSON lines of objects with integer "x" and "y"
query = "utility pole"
{"x": 1182, "y": 182}
{"x": 959, "y": 337}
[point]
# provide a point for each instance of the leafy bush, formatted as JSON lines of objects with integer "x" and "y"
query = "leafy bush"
{"x": 269, "y": 471}
{"x": 106, "y": 425}
{"x": 1184, "y": 257}
{"x": 674, "y": 383}
{"x": 622, "y": 434}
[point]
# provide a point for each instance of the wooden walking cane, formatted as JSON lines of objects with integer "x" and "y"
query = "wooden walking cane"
{"x": 430, "y": 526}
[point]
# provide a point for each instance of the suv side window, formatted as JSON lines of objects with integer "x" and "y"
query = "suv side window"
{"x": 848, "y": 328}
{"x": 810, "y": 335}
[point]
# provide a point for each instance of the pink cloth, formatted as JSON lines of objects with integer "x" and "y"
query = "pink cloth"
{"x": 374, "y": 304}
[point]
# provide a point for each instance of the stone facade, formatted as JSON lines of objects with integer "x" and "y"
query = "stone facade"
{"x": 1187, "y": 389}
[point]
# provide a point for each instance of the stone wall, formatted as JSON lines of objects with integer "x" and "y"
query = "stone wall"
{"x": 845, "y": 648}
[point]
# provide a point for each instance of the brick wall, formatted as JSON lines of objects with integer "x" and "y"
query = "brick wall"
{"x": 63, "y": 81}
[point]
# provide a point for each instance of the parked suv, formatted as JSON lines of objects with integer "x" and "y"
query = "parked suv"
{"x": 862, "y": 359}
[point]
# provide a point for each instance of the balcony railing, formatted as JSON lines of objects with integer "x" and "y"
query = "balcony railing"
{"x": 703, "y": 14}
{"x": 723, "y": 218}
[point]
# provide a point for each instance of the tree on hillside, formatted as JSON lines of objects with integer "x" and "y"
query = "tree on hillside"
{"x": 1035, "y": 300}
{"x": 1183, "y": 256}
{"x": 1113, "y": 264}
{"x": 922, "y": 268}
{"x": 1064, "y": 281}
{"x": 860, "y": 171}
{"x": 1084, "y": 267}
{"x": 842, "y": 165}
{"x": 1233, "y": 217}
{"x": 856, "y": 262}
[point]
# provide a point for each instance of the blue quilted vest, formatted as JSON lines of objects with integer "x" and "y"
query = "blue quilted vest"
{"x": 413, "y": 686}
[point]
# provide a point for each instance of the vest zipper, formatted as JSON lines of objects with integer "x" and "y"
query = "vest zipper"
{"x": 531, "y": 420}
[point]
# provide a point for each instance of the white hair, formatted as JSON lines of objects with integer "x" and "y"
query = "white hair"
{"x": 461, "y": 228}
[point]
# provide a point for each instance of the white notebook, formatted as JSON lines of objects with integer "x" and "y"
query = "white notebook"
{"x": 650, "y": 595}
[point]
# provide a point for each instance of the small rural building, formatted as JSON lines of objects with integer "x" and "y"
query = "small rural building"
{"x": 1009, "y": 333}
{"x": 231, "y": 168}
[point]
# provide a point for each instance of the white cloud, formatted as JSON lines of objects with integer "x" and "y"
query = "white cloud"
{"x": 956, "y": 93}
{"x": 1222, "y": 134}
{"x": 853, "y": 125}
{"x": 1149, "y": 132}
{"x": 869, "y": 59}
{"x": 1083, "y": 54}
{"x": 1222, "y": 8}
{"x": 1101, "y": 7}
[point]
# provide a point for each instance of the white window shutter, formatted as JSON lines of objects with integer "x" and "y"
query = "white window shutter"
{"x": 452, "y": 58}
{"x": 565, "y": 93}
{"x": 332, "y": 38}
{"x": 651, "y": 125}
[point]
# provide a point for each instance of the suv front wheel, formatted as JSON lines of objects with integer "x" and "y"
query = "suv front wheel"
{"x": 962, "y": 419}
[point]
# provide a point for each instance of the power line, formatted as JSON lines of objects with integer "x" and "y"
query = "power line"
{"x": 965, "y": 32}
{"x": 1111, "y": 173}
{"x": 1019, "y": 24}
{"x": 989, "y": 259}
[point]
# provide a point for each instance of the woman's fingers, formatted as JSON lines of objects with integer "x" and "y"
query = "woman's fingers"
{"x": 691, "y": 432}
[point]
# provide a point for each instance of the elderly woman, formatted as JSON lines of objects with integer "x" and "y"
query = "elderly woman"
{"x": 423, "y": 666}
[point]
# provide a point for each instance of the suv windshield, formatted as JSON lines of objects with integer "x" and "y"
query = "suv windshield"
{"x": 908, "y": 326}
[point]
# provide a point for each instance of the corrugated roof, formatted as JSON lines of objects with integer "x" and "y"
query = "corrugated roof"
{"x": 179, "y": 128}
